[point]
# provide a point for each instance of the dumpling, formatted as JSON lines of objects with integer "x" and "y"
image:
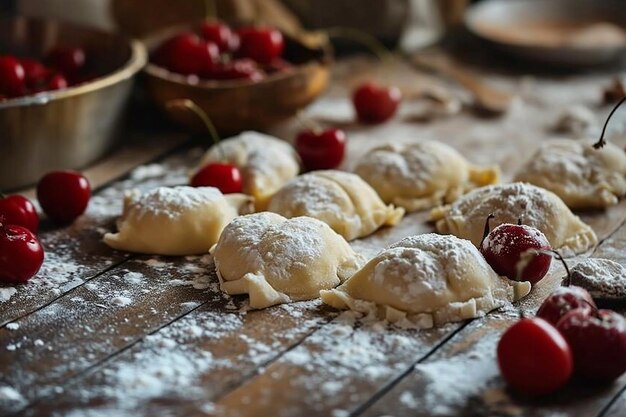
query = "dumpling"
{"x": 535, "y": 207}
{"x": 426, "y": 280}
{"x": 175, "y": 221}
{"x": 421, "y": 175}
{"x": 582, "y": 176}
{"x": 266, "y": 163}
{"x": 340, "y": 199}
{"x": 277, "y": 260}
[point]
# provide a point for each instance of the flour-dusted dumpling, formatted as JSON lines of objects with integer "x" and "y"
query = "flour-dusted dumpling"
{"x": 426, "y": 280}
{"x": 421, "y": 175}
{"x": 277, "y": 260}
{"x": 340, "y": 199}
{"x": 582, "y": 176}
{"x": 175, "y": 221}
{"x": 535, "y": 206}
{"x": 266, "y": 163}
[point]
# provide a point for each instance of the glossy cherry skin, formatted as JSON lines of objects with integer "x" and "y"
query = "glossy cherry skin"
{"x": 562, "y": 300}
{"x": 598, "y": 342}
{"x": 534, "y": 358}
{"x": 57, "y": 82}
{"x": 18, "y": 210}
{"x": 225, "y": 177}
{"x": 63, "y": 195}
{"x": 374, "y": 103}
{"x": 21, "y": 254}
{"x": 35, "y": 72}
{"x": 12, "y": 77}
{"x": 504, "y": 247}
{"x": 220, "y": 34}
{"x": 187, "y": 54}
{"x": 262, "y": 44}
{"x": 68, "y": 60}
{"x": 321, "y": 150}
{"x": 237, "y": 69}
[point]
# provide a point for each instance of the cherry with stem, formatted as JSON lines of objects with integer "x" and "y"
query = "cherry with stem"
{"x": 222, "y": 175}
{"x": 601, "y": 142}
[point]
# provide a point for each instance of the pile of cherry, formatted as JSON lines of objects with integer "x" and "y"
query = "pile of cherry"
{"x": 219, "y": 52}
{"x": 63, "y": 196}
{"x": 569, "y": 337}
{"x": 62, "y": 67}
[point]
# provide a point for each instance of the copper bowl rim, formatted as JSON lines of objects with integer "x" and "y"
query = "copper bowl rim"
{"x": 138, "y": 59}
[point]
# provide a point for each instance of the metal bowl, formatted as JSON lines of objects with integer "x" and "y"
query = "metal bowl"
{"x": 500, "y": 23}
{"x": 67, "y": 128}
{"x": 235, "y": 105}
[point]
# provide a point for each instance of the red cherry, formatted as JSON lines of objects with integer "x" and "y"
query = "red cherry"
{"x": 262, "y": 44}
{"x": 238, "y": 69}
{"x": 63, "y": 195}
{"x": 534, "y": 358}
{"x": 562, "y": 300}
{"x": 505, "y": 245}
{"x": 12, "y": 77}
{"x": 225, "y": 177}
{"x": 35, "y": 72}
{"x": 321, "y": 150}
{"x": 68, "y": 60}
{"x": 57, "y": 82}
{"x": 598, "y": 342}
{"x": 18, "y": 210}
{"x": 374, "y": 103}
{"x": 21, "y": 254}
{"x": 220, "y": 34}
{"x": 187, "y": 54}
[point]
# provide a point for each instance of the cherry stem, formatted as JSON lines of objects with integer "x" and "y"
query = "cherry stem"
{"x": 308, "y": 123}
{"x": 519, "y": 221}
{"x": 193, "y": 107}
{"x": 370, "y": 42}
{"x": 487, "y": 227}
{"x": 601, "y": 142}
{"x": 557, "y": 255}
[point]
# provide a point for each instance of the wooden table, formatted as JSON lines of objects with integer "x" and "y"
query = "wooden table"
{"x": 106, "y": 333}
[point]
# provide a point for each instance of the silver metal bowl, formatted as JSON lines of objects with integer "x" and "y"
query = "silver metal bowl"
{"x": 70, "y": 128}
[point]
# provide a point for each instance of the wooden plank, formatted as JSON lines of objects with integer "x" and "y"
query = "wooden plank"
{"x": 462, "y": 378}
{"x": 75, "y": 254}
{"x": 183, "y": 366}
{"x": 618, "y": 408}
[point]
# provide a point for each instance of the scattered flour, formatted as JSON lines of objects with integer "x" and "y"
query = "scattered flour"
{"x": 12, "y": 326}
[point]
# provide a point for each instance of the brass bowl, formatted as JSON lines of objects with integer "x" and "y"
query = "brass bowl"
{"x": 70, "y": 128}
{"x": 235, "y": 105}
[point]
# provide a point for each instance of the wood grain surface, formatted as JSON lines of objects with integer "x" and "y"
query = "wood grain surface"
{"x": 105, "y": 333}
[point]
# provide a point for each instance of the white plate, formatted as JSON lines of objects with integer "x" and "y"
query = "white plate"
{"x": 507, "y": 25}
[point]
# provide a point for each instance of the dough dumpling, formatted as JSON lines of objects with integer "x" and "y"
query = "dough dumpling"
{"x": 421, "y": 175}
{"x": 266, "y": 163}
{"x": 340, "y": 199}
{"x": 277, "y": 260}
{"x": 582, "y": 176}
{"x": 175, "y": 221}
{"x": 426, "y": 280}
{"x": 535, "y": 207}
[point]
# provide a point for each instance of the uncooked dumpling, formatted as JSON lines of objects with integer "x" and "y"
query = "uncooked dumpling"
{"x": 277, "y": 260}
{"x": 175, "y": 221}
{"x": 421, "y": 175}
{"x": 266, "y": 163}
{"x": 426, "y": 280}
{"x": 340, "y": 199}
{"x": 535, "y": 206}
{"x": 582, "y": 176}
